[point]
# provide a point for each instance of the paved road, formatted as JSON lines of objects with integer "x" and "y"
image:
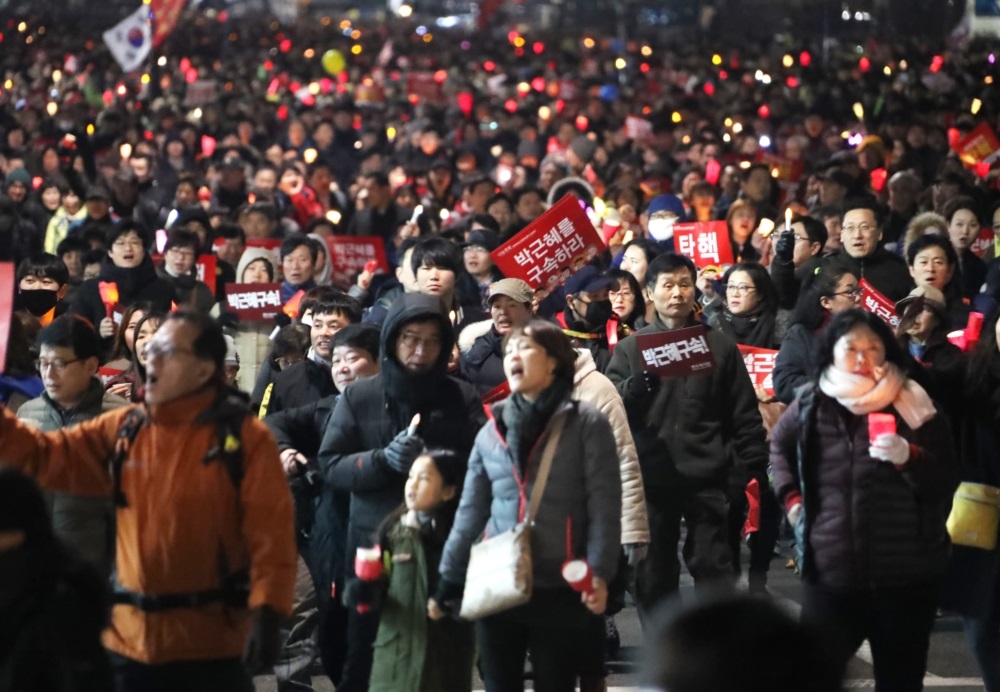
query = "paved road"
{"x": 950, "y": 665}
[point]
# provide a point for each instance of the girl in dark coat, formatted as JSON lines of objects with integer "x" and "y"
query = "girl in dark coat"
{"x": 972, "y": 586}
{"x": 868, "y": 512}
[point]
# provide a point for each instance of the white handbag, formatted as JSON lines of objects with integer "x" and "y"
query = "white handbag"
{"x": 499, "y": 576}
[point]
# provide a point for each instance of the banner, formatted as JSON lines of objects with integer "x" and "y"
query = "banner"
{"x": 979, "y": 146}
{"x": 254, "y": 302}
{"x": 165, "y": 15}
{"x": 425, "y": 88}
{"x": 266, "y": 243}
{"x": 760, "y": 365}
{"x": 705, "y": 242}
{"x": 638, "y": 129}
{"x": 201, "y": 92}
{"x": 349, "y": 254}
{"x": 877, "y": 304}
{"x": 6, "y": 308}
{"x": 206, "y": 269}
{"x": 131, "y": 39}
{"x": 557, "y": 243}
{"x": 677, "y": 352}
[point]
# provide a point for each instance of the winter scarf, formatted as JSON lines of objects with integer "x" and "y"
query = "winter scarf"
{"x": 754, "y": 328}
{"x": 526, "y": 420}
{"x": 861, "y": 394}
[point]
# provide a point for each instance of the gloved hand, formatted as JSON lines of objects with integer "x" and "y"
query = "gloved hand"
{"x": 403, "y": 451}
{"x": 264, "y": 642}
{"x": 794, "y": 514}
{"x": 891, "y": 448}
{"x": 643, "y": 384}
{"x": 636, "y": 553}
{"x": 229, "y": 320}
{"x": 784, "y": 249}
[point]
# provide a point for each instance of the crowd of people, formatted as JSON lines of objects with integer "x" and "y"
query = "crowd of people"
{"x": 300, "y": 488}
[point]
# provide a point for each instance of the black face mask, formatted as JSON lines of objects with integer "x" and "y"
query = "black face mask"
{"x": 598, "y": 313}
{"x": 38, "y": 301}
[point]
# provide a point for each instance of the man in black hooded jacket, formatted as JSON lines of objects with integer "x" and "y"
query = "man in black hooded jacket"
{"x": 367, "y": 449}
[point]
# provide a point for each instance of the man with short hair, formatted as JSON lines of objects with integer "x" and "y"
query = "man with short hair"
{"x": 69, "y": 356}
{"x": 478, "y": 263}
{"x": 686, "y": 430}
{"x": 205, "y": 555}
{"x": 437, "y": 265}
{"x": 862, "y": 255}
{"x": 298, "y": 264}
{"x": 368, "y": 449}
{"x": 588, "y": 309}
{"x": 797, "y": 256}
{"x": 509, "y": 304}
{"x": 178, "y": 268}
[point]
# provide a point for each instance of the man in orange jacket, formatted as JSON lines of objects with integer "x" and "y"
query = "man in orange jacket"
{"x": 205, "y": 555}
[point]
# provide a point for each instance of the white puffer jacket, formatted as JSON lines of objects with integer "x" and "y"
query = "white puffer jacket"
{"x": 591, "y": 386}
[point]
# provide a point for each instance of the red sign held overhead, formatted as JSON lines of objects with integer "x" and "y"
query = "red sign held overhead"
{"x": 983, "y": 242}
{"x": 979, "y": 146}
{"x": 254, "y": 302}
{"x": 760, "y": 366}
{"x": 349, "y": 254}
{"x": 553, "y": 246}
{"x": 705, "y": 242}
{"x": 6, "y": 308}
{"x": 877, "y": 304}
{"x": 677, "y": 352}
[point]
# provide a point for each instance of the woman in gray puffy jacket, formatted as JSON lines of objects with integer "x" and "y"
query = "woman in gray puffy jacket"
{"x": 579, "y": 517}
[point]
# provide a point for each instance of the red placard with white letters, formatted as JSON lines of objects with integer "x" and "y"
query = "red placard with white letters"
{"x": 6, "y": 308}
{"x": 349, "y": 254}
{"x": 205, "y": 270}
{"x": 705, "y": 242}
{"x": 254, "y": 302}
{"x": 876, "y": 303}
{"x": 559, "y": 242}
{"x": 983, "y": 242}
{"x": 760, "y": 366}
{"x": 677, "y": 352}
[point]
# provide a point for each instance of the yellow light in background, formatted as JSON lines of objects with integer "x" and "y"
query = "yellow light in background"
{"x": 737, "y": 128}
{"x": 903, "y": 65}
{"x": 405, "y": 11}
{"x": 356, "y": 34}
{"x": 976, "y": 105}
{"x": 588, "y": 42}
{"x": 788, "y": 60}
{"x": 675, "y": 117}
{"x": 887, "y": 71}
{"x": 728, "y": 122}
{"x": 314, "y": 88}
{"x": 726, "y": 137}
{"x": 145, "y": 78}
{"x": 599, "y": 206}
{"x": 162, "y": 62}
{"x": 859, "y": 111}
{"x": 686, "y": 139}
{"x": 647, "y": 51}
{"x": 346, "y": 24}
{"x": 334, "y": 216}
{"x": 620, "y": 63}
{"x": 390, "y": 133}
{"x": 744, "y": 164}
{"x": 988, "y": 79}
{"x": 309, "y": 54}
{"x": 125, "y": 150}
{"x": 716, "y": 59}
{"x": 845, "y": 134}
{"x": 544, "y": 112}
{"x": 445, "y": 214}
{"x": 356, "y": 50}
{"x": 90, "y": 128}
{"x": 427, "y": 38}
{"x": 9, "y": 84}
{"x": 519, "y": 42}
{"x": 309, "y": 155}
{"x": 22, "y": 27}
{"x": 52, "y": 108}
{"x": 496, "y": 150}
{"x": 56, "y": 76}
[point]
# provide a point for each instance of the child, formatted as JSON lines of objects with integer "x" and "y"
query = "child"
{"x": 412, "y": 652}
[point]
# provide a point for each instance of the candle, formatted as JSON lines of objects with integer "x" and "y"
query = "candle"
{"x": 788, "y": 219}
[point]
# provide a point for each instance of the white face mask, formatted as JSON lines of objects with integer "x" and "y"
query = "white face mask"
{"x": 662, "y": 228}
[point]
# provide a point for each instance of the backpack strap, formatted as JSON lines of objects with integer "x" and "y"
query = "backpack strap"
{"x": 134, "y": 421}
{"x": 228, "y": 412}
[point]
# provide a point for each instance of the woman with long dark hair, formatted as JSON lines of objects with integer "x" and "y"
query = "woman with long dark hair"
{"x": 867, "y": 497}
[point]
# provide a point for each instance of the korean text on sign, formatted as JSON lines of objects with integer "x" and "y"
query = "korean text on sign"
{"x": 704, "y": 242}
{"x": 558, "y": 242}
{"x": 677, "y": 352}
{"x": 350, "y": 254}
{"x": 254, "y": 302}
{"x": 760, "y": 366}
{"x": 877, "y": 304}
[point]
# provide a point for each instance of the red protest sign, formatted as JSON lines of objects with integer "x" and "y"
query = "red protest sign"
{"x": 254, "y": 302}
{"x": 979, "y": 146}
{"x": 982, "y": 243}
{"x": 498, "y": 393}
{"x": 677, "y": 352}
{"x": 705, "y": 242}
{"x": 877, "y": 304}
{"x": 206, "y": 270}
{"x": 638, "y": 129}
{"x": 563, "y": 239}
{"x": 424, "y": 87}
{"x": 760, "y": 365}
{"x": 6, "y": 308}
{"x": 349, "y": 254}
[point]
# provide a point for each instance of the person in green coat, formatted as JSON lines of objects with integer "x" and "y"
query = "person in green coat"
{"x": 412, "y": 652}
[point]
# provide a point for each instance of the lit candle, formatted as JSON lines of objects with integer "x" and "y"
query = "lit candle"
{"x": 788, "y": 219}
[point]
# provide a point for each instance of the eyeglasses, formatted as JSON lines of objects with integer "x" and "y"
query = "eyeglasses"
{"x": 57, "y": 364}
{"x": 800, "y": 238}
{"x": 182, "y": 252}
{"x": 739, "y": 288}
{"x": 864, "y": 229}
{"x": 122, "y": 243}
{"x": 412, "y": 341}
{"x": 850, "y": 293}
{"x": 620, "y": 294}
{"x": 155, "y": 350}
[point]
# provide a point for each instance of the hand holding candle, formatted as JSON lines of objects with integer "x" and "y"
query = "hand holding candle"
{"x": 109, "y": 296}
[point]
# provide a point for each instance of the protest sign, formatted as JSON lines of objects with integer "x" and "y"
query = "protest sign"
{"x": 6, "y": 308}
{"x": 201, "y": 92}
{"x": 638, "y": 129}
{"x": 979, "y": 146}
{"x": 425, "y": 88}
{"x": 552, "y": 247}
{"x": 982, "y": 243}
{"x": 760, "y": 366}
{"x": 206, "y": 271}
{"x": 498, "y": 393}
{"x": 877, "y": 304}
{"x": 254, "y": 302}
{"x": 266, "y": 243}
{"x": 676, "y": 352}
{"x": 349, "y": 254}
{"x": 705, "y": 242}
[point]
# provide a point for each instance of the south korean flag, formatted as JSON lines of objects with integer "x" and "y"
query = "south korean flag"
{"x": 131, "y": 39}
